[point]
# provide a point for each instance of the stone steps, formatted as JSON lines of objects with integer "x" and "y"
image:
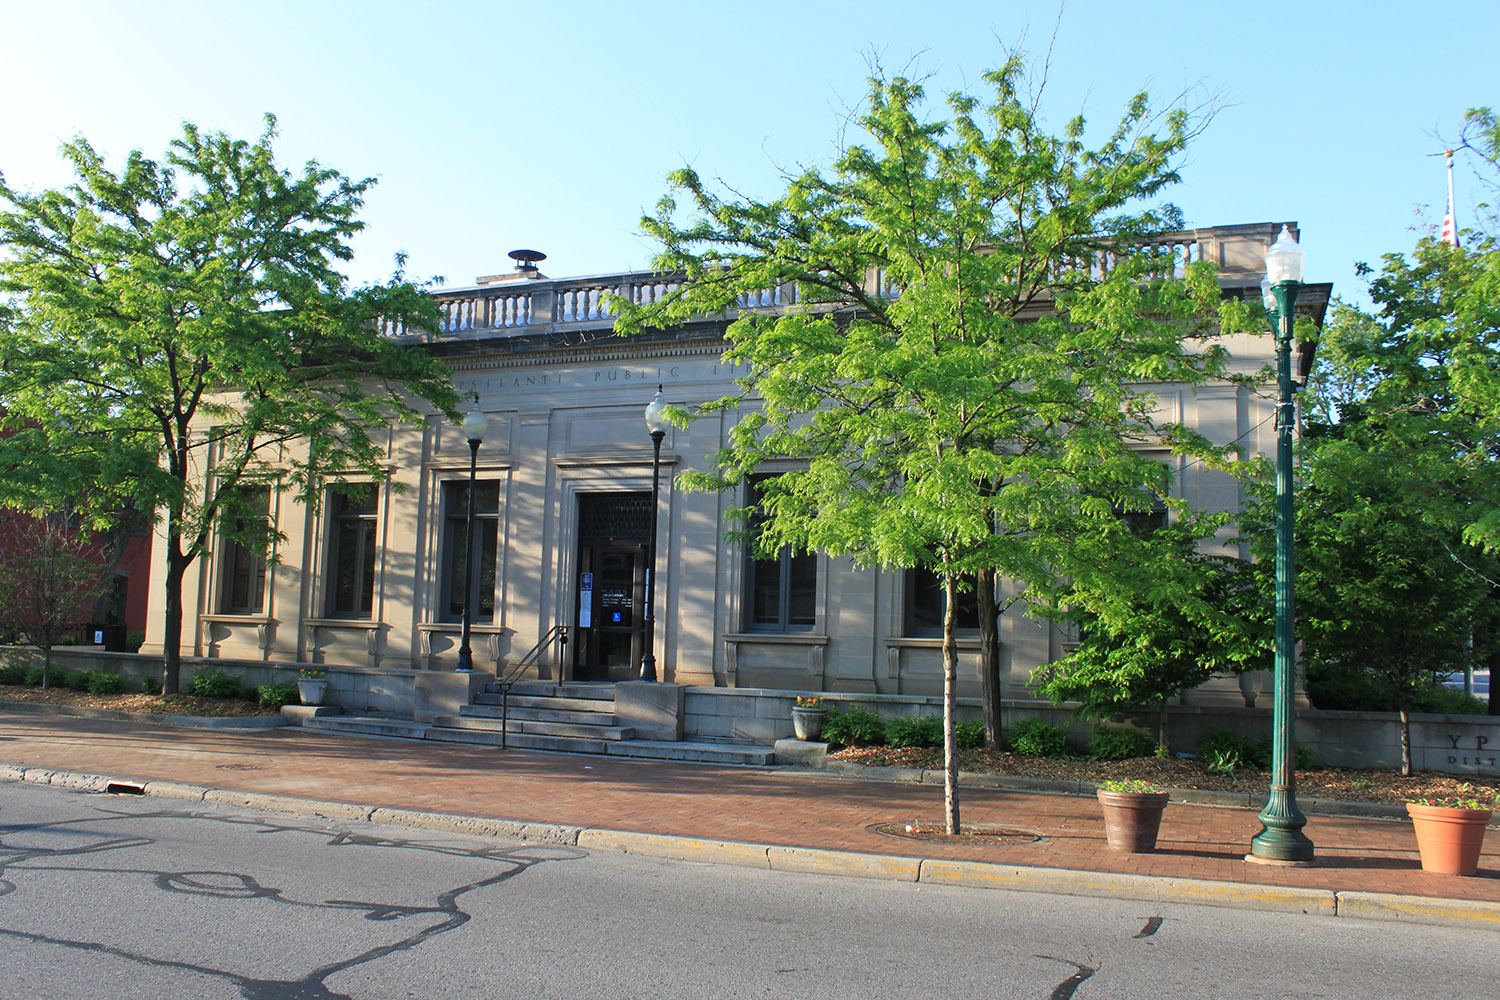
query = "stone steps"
{"x": 537, "y": 713}
{"x": 493, "y": 698}
{"x": 520, "y": 741}
{"x": 708, "y": 753}
{"x": 537, "y": 726}
{"x": 563, "y": 718}
{"x": 366, "y": 725}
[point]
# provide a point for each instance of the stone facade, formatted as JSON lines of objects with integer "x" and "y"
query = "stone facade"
{"x": 565, "y": 469}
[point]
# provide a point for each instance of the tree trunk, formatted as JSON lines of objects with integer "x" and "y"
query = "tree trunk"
{"x": 1161, "y": 730}
{"x": 950, "y": 698}
{"x": 1405, "y": 743}
{"x": 1493, "y": 664}
{"x": 993, "y": 686}
{"x": 46, "y": 666}
{"x": 171, "y": 659}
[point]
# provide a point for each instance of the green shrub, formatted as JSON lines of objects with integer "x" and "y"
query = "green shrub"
{"x": 277, "y": 693}
{"x": 1120, "y": 743}
{"x": 1224, "y": 761}
{"x": 34, "y": 677}
{"x": 1440, "y": 700}
{"x": 77, "y": 680}
{"x": 914, "y": 731}
{"x": 1332, "y": 686}
{"x": 104, "y": 682}
{"x": 151, "y": 685}
{"x": 134, "y": 641}
{"x": 1223, "y": 745}
{"x": 969, "y": 734}
{"x": 12, "y": 674}
{"x": 1035, "y": 738}
{"x": 854, "y": 726}
{"x": 1259, "y": 756}
{"x": 216, "y": 684}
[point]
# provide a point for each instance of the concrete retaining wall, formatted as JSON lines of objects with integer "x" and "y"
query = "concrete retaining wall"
{"x": 417, "y": 694}
{"x": 1460, "y": 744}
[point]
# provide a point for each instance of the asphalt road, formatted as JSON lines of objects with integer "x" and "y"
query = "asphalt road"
{"x": 119, "y": 897}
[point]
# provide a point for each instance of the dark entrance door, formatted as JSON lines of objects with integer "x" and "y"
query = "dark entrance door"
{"x": 613, "y": 529}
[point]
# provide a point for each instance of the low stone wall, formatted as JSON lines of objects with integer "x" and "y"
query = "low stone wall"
{"x": 764, "y": 715}
{"x": 415, "y": 694}
{"x": 1460, "y": 744}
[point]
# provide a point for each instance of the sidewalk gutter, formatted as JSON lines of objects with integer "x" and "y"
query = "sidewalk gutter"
{"x": 804, "y": 860}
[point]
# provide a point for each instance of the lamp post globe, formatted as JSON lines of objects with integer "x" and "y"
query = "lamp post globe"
{"x": 1284, "y": 259}
{"x": 1281, "y": 840}
{"x": 474, "y": 426}
{"x": 656, "y": 426}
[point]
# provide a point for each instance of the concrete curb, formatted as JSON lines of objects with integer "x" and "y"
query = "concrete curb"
{"x": 288, "y": 804}
{"x": 115, "y": 715}
{"x": 1419, "y": 910}
{"x": 1279, "y": 899}
{"x": 804, "y": 860}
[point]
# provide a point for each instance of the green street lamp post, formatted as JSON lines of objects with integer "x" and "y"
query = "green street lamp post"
{"x": 656, "y": 425}
{"x": 474, "y": 427}
{"x": 1281, "y": 841}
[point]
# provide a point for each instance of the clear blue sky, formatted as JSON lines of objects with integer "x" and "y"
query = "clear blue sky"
{"x": 551, "y": 125}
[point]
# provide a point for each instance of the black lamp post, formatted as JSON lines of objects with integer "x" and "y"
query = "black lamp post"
{"x": 474, "y": 427}
{"x": 1281, "y": 840}
{"x": 656, "y": 424}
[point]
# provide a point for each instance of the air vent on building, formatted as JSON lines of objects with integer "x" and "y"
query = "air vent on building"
{"x": 527, "y": 260}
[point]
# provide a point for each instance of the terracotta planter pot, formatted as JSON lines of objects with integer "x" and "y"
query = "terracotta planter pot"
{"x": 808, "y": 722}
{"x": 1449, "y": 840}
{"x": 1132, "y": 819}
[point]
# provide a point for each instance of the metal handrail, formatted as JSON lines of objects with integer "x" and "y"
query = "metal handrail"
{"x": 558, "y": 632}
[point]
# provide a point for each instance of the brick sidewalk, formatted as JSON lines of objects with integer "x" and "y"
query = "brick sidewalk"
{"x": 740, "y": 804}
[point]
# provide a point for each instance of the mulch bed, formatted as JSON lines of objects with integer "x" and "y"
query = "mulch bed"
{"x": 175, "y": 704}
{"x": 1351, "y": 784}
{"x": 975, "y": 835}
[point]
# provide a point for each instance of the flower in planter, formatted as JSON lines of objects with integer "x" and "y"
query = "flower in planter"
{"x": 307, "y": 674}
{"x": 1135, "y": 785}
{"x": 810, "y": 702}
{"x": 1463, "y": 800}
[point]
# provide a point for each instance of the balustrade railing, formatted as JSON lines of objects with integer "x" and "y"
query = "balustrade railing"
{"x": 543, "y": 302}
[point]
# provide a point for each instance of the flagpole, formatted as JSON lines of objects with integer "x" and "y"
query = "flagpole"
{"x": 1450, "y": 224}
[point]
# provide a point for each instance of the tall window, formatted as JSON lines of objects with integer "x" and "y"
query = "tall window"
{"x": 781, "y": 592}
{"x": 1144, "y": 523}
{"x": 244, "y": 566}
{"x": 351, "y": 569}
{"x": 925, "y": 603}
{"x": 455, "y": 546}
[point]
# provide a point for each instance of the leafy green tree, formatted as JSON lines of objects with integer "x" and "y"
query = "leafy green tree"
{"x": 1384, "y": 608}
{"x": 1426, "y": 367}
{"x": 971, "y": 307}
{"x": 178, "y": 331}
{"x": 1399, "y": 514}
{"x": 1139, "y": 654}
{"x": 1480, "y": 137}
{"x": 1390, "y": 598}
